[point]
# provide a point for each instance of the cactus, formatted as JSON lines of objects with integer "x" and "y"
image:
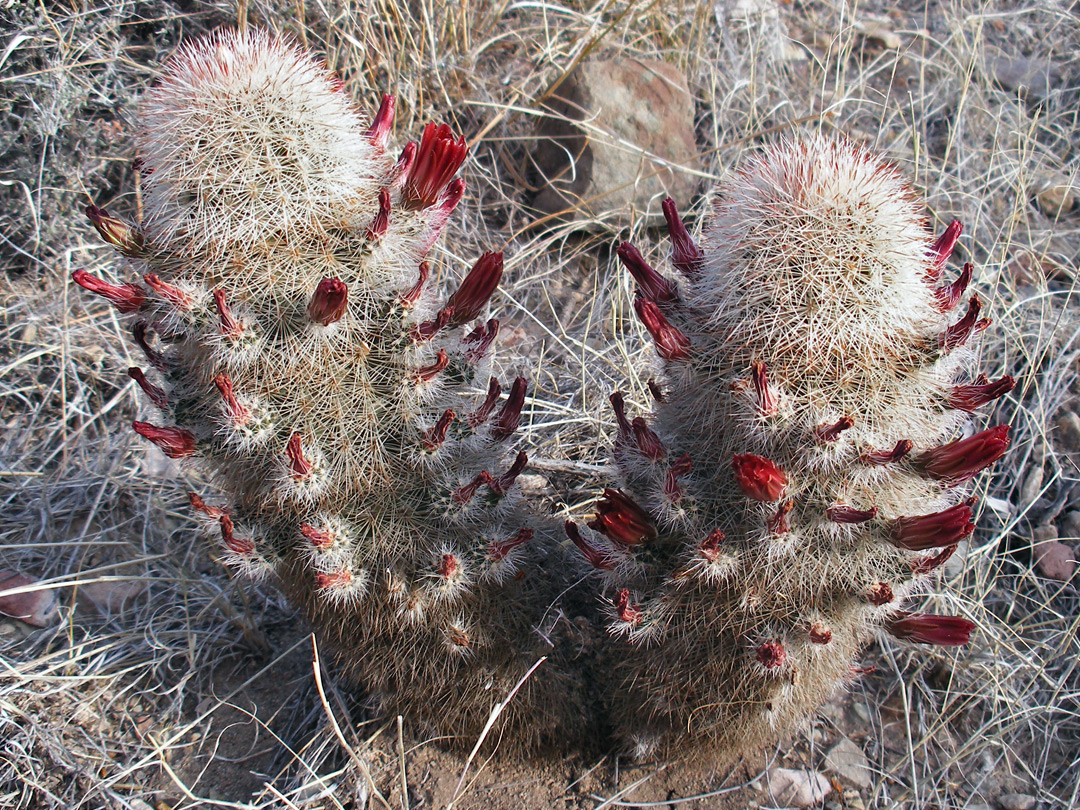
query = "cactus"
{"x": 796, "y": 480}
{"x": 302, "y": 354}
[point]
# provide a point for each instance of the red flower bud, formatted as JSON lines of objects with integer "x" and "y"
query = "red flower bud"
{"x": 174, "y": 295}
{"x": 946, "y": 298}
{"x": 448, "y": 566}
{"x": 498, "y": 549}
{"x": 617, "y": 403}
{"x": 685, "y": 253}
{"x": 116, "y": 232}
{"x": 928, "y": 628}
{"x": 880, "y": 593}
{"x": 849, "y": 514}
{"x": 925, "y": 565}
{"x": 198, "y": 504}
{"x": 504, "y": 425}
{"x": 759, "y": 478}
{"x": 173, "y": 441}
{"x": 237, "y": 545}
{"x": 671, "y": 344}
{"x": 651, "y": 285}
{"x": 463, "y": 494}
{"x": 969, "y": 397}
{"x": 379, "y": 132}
{"x": 709, "y": 548}
{"x": 428, "y": 329}
{"x": 329, "y": 301}
{"x": 771, "y": 654}
{"x": 939, "y": 529}
{"x": 433, "y": 439}
{"x": 482, "y": 336}
{"x": 125, "y": 297}
{"x": 438, "y": 158}
{"x": 507, "y": 479}
{"x": 334, "y": 579}
{"x": 622, "y": 520}
{"x": 237, "y": 412}
{"x": 482, "y": 413}
{"x": 966, "y": 327}
{"x": 942, "y": 249}
{"x": 153, "y": 393}
{"x": 673, "y": 491}
{"x": 476, "y": 289}
{"x": 381, "y": 221}
{"x": 819, "y": 634}
{"x": 626, "y": 612}
{"x": 961, "y": 460}
{"x": 413, "y": 295}
{"x": 778, "y": 523}
{"x": 598, "y": 558}
{"x": 320, "y": 539}
{"x": 404, "y": 163}
{"x": 654, "y": 389}
{"x": 881, "y": 457}
{"x": 830, "y": 433}
{"x": 299, "y": 467}
{"x": 139, "y": 334}
{"x": 230, "y": 326}
{"x": 428, "y": 373}
{"x": 766, "y": 399}
{"x": 648, "y": 443}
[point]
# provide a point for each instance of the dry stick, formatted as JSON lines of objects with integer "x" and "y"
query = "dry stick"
{"x": 401, "y": 760}
{"x": 337, "y": 729}
{"x": 498, "y": 710}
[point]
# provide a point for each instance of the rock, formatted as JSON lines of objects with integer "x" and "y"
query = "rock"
{"x": 847, "y": 761}
{"x": 1055, "y": 560}
{"x": 1031, "y": 78}
{"x": 1016, "y": 801}
{"x": 109, "y": 597}
{"x": 631, "y": 110}
{"x": 1032, "y": 485}
{"x": 1067, "y": 436}
{"x": 1070, "y": 525}
{"x": 879, "y": 32}
{"x": 38, "y": 608}
{"x": 853, "y": 801}
{"x": 791, "y": 788}
{"x": 1055, "y": 197}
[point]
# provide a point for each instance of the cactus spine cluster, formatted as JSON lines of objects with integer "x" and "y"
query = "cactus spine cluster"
{"x": 795, "y": 480}
{"x": 300, "y": 350}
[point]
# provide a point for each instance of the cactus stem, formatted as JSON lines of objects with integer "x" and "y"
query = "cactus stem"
{"x": 959, "y": 461}
{"x": 878, "y": 458}
{"x": 685, "y": 253}
{"x": 172, "y": 441}
{"x": 758, "y": 478}
{"x": 413, "y": 295}
{"x": 381, "y": 221}
{"x": 476, "y": 288}
{"x": 670, "y": 342}
{"x": 438, "y": 158}
{"x": 969, "y": 397}
{"x": 428, "y": 373}
{"x": 435, "y": 437}
{"x": 651, "y": 285}
{"x": 379, "y": 132}
{"x": 622, "y": 520}
{"x": 153, "y": 393}
{"x": 481, "y": 414}
{"x": 830, "y": 433}
{"x": 504, "y": 425}
{"x": 841, "y": 513}
{"x": 230, "y": 326}
{"x": 928, "y": 628}
{"x": 174, "y": 295}
{"x": 125, "y": 297}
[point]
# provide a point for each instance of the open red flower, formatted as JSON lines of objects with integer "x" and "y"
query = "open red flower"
{"x": 438, "y": 157}
{"x": 621, "y": 519}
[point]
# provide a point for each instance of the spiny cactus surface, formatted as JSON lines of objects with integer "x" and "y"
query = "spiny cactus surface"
{"x": 799, "y": 474}
{"x": 299, "y": 349}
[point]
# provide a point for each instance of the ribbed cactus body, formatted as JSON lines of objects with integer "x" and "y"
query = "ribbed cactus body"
{"x": 300, "y": 351}
{"x": 795, "y": 480}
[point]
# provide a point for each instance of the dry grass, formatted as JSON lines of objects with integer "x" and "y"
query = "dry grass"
{"x": 198, "y": 689}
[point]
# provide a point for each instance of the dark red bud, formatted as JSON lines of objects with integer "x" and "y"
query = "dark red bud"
{"x": 438, "y": 158}
{"x": 463, "y": 494}
{"x": 946, "y": 298}
{"x": 482, "y": 337}
{"x": 413, "y": 295}
{"x": 433, "y": 439}
{"x": 329, "y": 302}
{"x": 654, "y": 389}
{"x": 819, "y": 634}
{"x": 153, "y": 393}
{"x": 199, "y": 505}
{"x": 116, "y": 232}
{"x": 969, "y": 397}
{"x": 771, "y": 654}
{"x": 125, "y": 297}
{"x": 482, "y": 413}
{"x": 928, "y": 628}
{"x": 877, "y": 458}
{"x": 621, "y": 519}
{"x": 778, "y": 523}
{"x": 673, "y": 490}
{"x": 404, "y": 163}
{"x": 477, "y": 287}
{"x": 173, "y": 441}
{"x": 880, "y": 593}
{"x": 942, "y": 249}
{"x": 299, "y": 467}
{"x": 849, "y": 514}
{"x": 139, "y": 334}
{"x": 685, "y": 253}
{"x": 830, "y": 433}
{"x": 648, "y": 443}
{"x": 428, "y": 373}
{"x": 759, "y": 478}
{"x": 171, "y": 293}
{"x": 507, "y": 479}
{"x": 334, "y": 579}
{"x": 966, "y": 327}
{"x": 627, "y": 613}
{"x": 671, "y": 344}
{"x": 710, "y": 546}
{"x": 498, "y": 549}
{"x": 651, "y": 285}
{"x": 766, "y": 399}
{"x": 383, "y": 121}
{"x": 320, "y": 539}
{"x": 381, "y": 221}
{"x": 448, "y": 566}
{"x": 598, "y": 558}
{"x": 504, "y": 425}
{"x": 237, "y": 412}
{"x": 237, "y": 545}
{"x": 428, "y": 329}
{"x": 961, "y": 460}
{"x": 936, "y": 530}
{"x": 230, "y": 326}
{"x": 617, "y": 403}
{"x": 925, "y": 565}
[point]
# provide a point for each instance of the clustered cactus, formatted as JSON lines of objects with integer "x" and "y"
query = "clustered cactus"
{"x": 301, "y": 351}
{"x": 795, "y": 480}
{"x": 793, "y": 484}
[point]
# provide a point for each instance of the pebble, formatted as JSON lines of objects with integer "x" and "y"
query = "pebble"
{"x": 1055, "y": 561}
{"x": 1067, "y": 436}
{"x": 1055, "y": 197}
{"x": 847, "y": 760}
{"x": 1016, "y": 801}
{"x": 802, "y": 788}
{"x": 38, "y": 608}
{"x": 1030, "y": 78}
{"x": 1070, "y": 525}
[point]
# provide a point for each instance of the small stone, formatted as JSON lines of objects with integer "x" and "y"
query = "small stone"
{"x": 1067, "y": 435}
{"x": 1016, "y": 801}
{"x": 853, "y": 801}
{"x": 1055, "y": 197}
{"x": 1070, "y": 525}
{"x": 614, "y": 135}
{"x": 794, "y": 788}
{"x": 1030, "y": 78}
{"x": 1055, "y": 560}
{"x": 848, "y": 761}
{"x": 880, "y": 32}
{"x": 38, "y": 607}
{"x": 862, "y": 710}
{"x": 1032, "y": 485}
{"x": 109, "y": 597}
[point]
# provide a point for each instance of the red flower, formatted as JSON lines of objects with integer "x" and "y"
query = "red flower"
{"x": 383, "y": 121}
{"x": 299, "y": 467}
{"x": 849, "y": 514}
{"x": 481, "y": 414}
{"x": 381, "y": 221}
{"x": 413, "y": 295}
{"x": 771, "y": 654}
{"x": 673, "y": 490}
{"x": 685, "y": 253}
{"x": 509, "y": 417}
{"x": 125, "y": 297}
{"x": 937, "y": 530}
{"x": 116, "y": 232}
{"x": 949, "y": 296}
{"x": 882, "y": 457}
{"x": 320, "y": 539}
{"x": 651, "y": 285}
{"x": 927, "y": 628}
{"x": 671, "y": 344}
{"x": 428, "y": 373}
{"x": 943, "y": 247}
{"x": 433, "y": 439}
{"x": 622, "y": 520}
{"x": 626, "y": 612}
{"x": 237, "y": 545}
{"x": 237, "y": 412}
{"x": 230, "y": 326}
{"x": 329, "y": 302}
{"x": 174, "y": 295}
{"x": 619, "y": 406}
{"x": 759, "y": 478}
{"x": 969, "y": 397}
{"x": 437, "y": 160}
{"x": 476, "y": 289}
{"x": 961, "y": 460}
{"x": 830, "y": 433}
{"x": 498, "y": 549}
{"x": 765, "y": 397}
{"x": 597, "y": 557}
{"x": 648, "y": 443}
{"x": 173, "y": 441}
{"x": 959, "y": 332}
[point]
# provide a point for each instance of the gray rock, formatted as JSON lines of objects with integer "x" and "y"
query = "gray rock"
{"x": 1031, "y": 78}
{"x": 615, "y": 134}
{"x": 847, "y": 761}
{"x": 1016, "y": 801}
{"x": 1055, "y": 196}
{"x": 1067, "y": 435}
{"x": 1070, "y": 525}
{"x": 801, "y": 788}
{"x": 1055, "y": 560}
